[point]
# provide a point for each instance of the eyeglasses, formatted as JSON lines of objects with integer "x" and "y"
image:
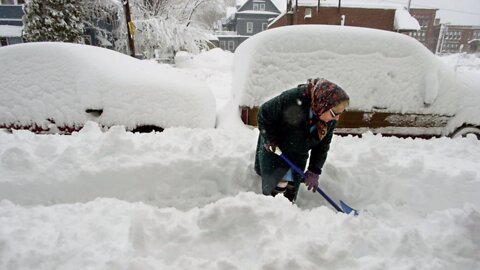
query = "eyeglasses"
{"x": 333, "y": 114}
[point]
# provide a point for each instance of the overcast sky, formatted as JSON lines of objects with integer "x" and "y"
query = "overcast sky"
{"x": 464, "y": 12}
{"x": 459, "y": 12}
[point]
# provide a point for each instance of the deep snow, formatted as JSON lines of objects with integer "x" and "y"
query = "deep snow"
{"x": 188, "y": 198}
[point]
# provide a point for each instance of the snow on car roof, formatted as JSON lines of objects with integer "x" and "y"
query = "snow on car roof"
{"x": 377, "y": 68}
{"x": 60, "y": 81}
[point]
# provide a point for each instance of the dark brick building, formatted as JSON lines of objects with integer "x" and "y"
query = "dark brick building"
{"x": 370, "y": 17}
{"x": 457, "y": 38}
{"x": 426, "y": 35}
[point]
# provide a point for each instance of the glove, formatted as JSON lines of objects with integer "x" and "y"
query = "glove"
{"x": 271, "y": 147}
{"x": 311, "y": 180}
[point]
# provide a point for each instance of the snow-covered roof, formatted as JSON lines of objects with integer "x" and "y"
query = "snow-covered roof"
{"x": 404, "y": 21}
{"x": 10, "y": 31}
{"x": 60, "y": 81}
{"x": 257, "y": 12}
{"x": 377, "y": 68}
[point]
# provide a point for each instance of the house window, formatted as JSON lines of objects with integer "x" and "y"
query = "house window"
{"x": 223, "y": 45}
{"x": 264, "y": 26}
{"x": 255, "y": 6}
{"x": 231, "y": 45}
{"x": 3, "y": 42}
{"x": 8, "y": 2}
{"x": 249, "y": 27}
{"x": 308, "y": 13}
{"x": 262, "y": 6}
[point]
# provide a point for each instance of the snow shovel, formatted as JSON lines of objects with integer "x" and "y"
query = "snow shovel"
{"x": 344, "y": 207}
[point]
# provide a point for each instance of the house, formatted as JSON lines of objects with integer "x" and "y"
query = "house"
{"x": 11, "y": 24}
{"x": 249, "y": 19}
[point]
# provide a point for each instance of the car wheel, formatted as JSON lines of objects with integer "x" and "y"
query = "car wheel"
{"x": 464, "y": 131}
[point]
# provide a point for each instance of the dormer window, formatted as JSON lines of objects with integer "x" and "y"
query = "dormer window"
{"x": 259, "y": 6}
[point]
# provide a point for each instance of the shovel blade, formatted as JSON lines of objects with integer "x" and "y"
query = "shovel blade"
{"x": 347, "y": 209}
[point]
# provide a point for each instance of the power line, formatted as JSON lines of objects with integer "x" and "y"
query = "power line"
{"x": 447, "y": 9}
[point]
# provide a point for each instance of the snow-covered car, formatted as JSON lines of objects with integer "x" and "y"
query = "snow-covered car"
{"x": 396, "y": 85}
{"x": 58, "y": 87}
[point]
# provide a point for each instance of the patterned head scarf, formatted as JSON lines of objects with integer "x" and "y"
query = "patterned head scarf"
{"x": 325, "y": 95}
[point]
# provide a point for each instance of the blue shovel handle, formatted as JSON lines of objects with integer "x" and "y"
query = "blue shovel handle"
{"x": 346, "y": 209}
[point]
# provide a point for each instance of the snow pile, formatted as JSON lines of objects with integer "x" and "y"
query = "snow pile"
{"x": 214, "y": 67}
{"x": 188, "y": 199}
{"x": 377, "y": 68}
{"x": 466, "y": 65}
{"x": 133, "y": 167}
{"x": 61, "y": 81}
{"x": 404, "y": 21}
{"x": 462, "y": 61}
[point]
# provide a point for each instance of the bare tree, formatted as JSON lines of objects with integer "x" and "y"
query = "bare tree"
{"x": 209, "y": 13}
{"x": 168, "y": 25}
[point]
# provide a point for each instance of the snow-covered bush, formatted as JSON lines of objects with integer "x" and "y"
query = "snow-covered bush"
{"x": 53, "y": 20}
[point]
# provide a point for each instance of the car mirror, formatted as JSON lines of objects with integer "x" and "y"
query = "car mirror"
{"x": 94, "y": 112}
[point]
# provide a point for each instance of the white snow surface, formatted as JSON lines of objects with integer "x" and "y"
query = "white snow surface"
{"x": 10, "y": 31}
{"x": 404, "y": 21}
{"x": 60, "y": 81}
{"x": 377, "y": 69}
{"x": 188, "y": 198}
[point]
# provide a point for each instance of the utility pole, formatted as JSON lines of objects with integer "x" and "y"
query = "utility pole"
{"x": 408, "y": 8}
{"x": 289, "y": 12}
{"x": 130, "y": 28}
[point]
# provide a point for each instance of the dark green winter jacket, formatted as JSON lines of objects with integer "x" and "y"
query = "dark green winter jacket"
{"x": 284, "y": 120}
